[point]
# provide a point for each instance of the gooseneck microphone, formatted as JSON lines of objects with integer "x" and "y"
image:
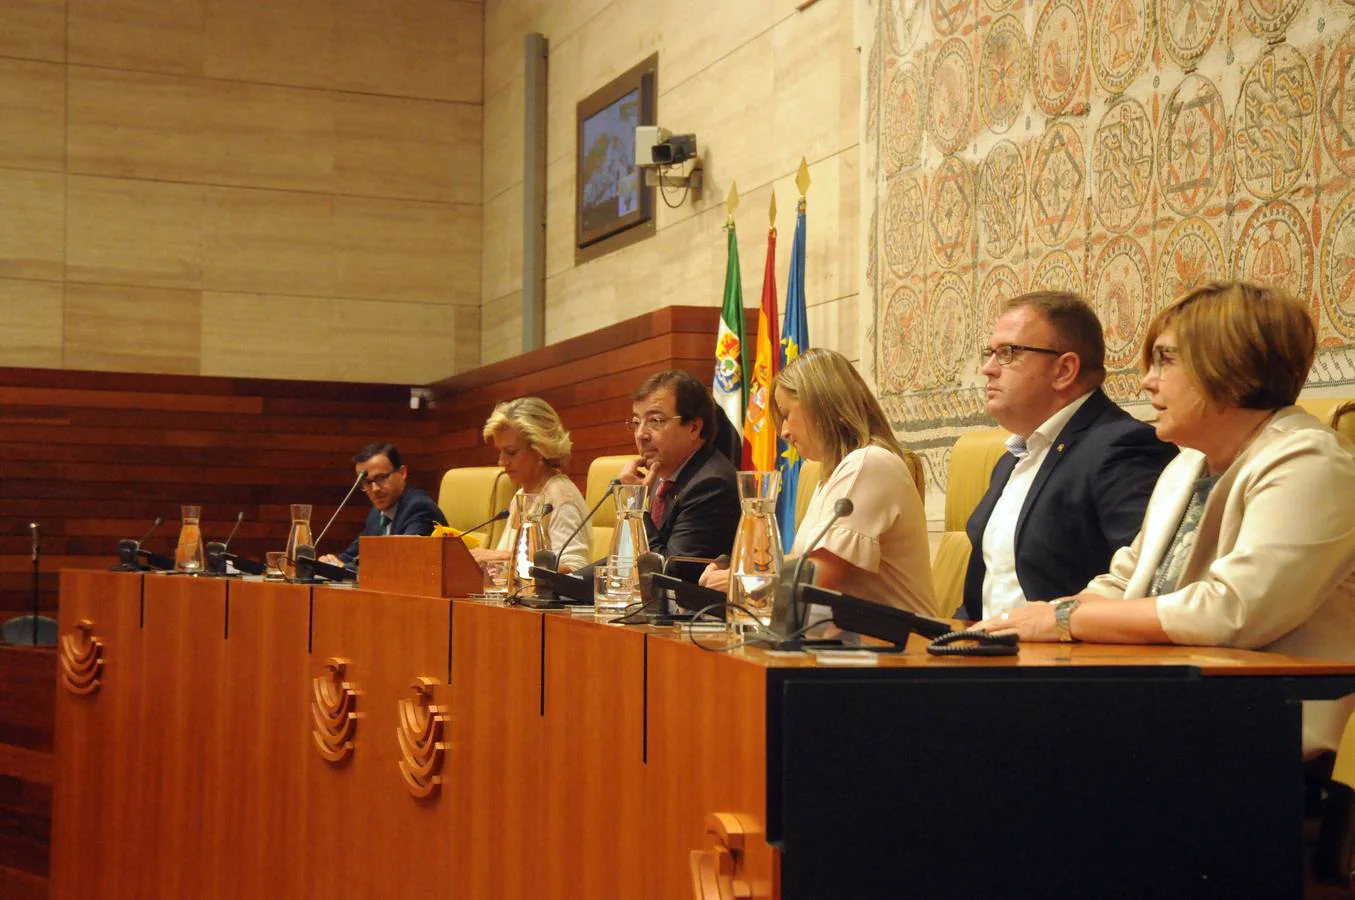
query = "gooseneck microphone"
{"x": 216, "y": 550}
{"x": 552, "y": 561}
{"x": 37, "y": 605}
{"x": 357, "y": 483}
{"x": 790, "y": 612}
{"x": 129, "y": 551}
{"x": 497, "y": 517}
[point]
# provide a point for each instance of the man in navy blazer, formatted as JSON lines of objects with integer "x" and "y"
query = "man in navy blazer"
{"x": 397, "y": 508}
{"x": 1073, "y": 486}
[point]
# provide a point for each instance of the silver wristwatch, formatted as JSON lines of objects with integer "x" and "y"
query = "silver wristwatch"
{"x": 1063, "y": 612}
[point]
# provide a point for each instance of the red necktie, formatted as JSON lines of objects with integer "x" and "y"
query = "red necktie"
{"x": 658, "y": 506}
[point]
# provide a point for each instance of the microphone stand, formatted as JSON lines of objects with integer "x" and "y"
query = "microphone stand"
{"x": 557, "y": 588}
{"x": 307, "y": 565}
{"x": 790, "y": 612}
{"x": 37, "y": 608}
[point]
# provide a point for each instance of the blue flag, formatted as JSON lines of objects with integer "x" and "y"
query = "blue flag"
{"x": 794, "y": 340}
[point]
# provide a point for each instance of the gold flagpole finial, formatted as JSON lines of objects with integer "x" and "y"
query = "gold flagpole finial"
{"x": 771, "y": 213}
{"x": 732, "y": 201}
{"x": 802, "y": 178}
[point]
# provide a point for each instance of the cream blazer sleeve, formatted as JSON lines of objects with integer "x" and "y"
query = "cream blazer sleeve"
{"x": 1276, "y": 540}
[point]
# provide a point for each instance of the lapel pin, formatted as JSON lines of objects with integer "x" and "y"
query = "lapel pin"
{"x": 1060, "y": 448}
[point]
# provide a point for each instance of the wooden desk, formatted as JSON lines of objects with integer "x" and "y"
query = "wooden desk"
{"x": 578, "y": 759}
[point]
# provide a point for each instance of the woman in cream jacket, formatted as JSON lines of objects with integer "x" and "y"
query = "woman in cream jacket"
{"x": 1249, "y": 538}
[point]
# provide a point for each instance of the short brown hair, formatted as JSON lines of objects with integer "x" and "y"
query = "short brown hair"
{"x": 690, "y": 398}
{"x": 1076, "y": 324}
{"x": 1246, "y": 345}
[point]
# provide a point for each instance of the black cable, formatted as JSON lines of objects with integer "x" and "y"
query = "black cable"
{"x": 663, "y": 193}
{"x": 985, "y": 644}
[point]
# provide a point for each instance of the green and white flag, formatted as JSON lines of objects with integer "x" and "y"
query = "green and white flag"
{"x": 731, "y": 365}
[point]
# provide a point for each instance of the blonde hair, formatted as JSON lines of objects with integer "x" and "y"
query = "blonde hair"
{"x": 1246, "y": 345}
{"x": 842, "y": 410}
{"x": 538, "y": 423}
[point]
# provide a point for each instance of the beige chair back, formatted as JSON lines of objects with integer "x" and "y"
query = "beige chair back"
{"x": 601, "y": 471}
{"x": 971, "y": 464}
{"x": 1338, "y": 412}
{"x": 471, "y": 494}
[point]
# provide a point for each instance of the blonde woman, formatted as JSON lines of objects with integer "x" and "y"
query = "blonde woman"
{"x": 824, "y": 409}
{"x": 533, "y": 447}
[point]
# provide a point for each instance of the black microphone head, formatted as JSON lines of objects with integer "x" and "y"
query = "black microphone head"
{"x": 548, "y": 509}
{"x": 722, "y": 561}
{"x": 843, "y": 506}
{"x": 158, "y": 521}
{"x": 647, "y": 565}
{"x": 500, "y": 516}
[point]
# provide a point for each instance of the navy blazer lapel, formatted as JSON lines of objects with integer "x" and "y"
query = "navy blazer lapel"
{"x": 1088, "y": 413}
{"x": 1002, "y": 472}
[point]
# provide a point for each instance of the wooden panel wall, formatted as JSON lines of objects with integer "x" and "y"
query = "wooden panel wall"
{"x": 588, "y": 379}
{"x": 230, "y": 187}
{"x": 761, "y": 83}
{"x": 27, "y": 716}
{"x": 94, "y": 457}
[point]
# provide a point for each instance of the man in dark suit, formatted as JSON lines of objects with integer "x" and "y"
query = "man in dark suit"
{"x": 397, "y": 508}
{"x": 1072, "y": 488}
{"x": 693, "y": 492}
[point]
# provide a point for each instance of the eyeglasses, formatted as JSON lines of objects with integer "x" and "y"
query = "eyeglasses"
{"x": 1005, "y": 353}
{"x": 376, "y": 481}
{"x": 651, "y": 423}
{"x": 1162, "y": 355}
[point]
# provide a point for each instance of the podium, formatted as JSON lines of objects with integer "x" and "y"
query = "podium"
{"x": 418, "y": 566}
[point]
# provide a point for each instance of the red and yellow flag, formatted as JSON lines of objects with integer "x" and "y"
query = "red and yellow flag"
{"x": 759, "y": 434}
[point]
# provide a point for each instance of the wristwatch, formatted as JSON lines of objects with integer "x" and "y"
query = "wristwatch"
{"x": 1063, "y": 612}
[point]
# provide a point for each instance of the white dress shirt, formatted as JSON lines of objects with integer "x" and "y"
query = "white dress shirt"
{"x": 1001, "y": 588}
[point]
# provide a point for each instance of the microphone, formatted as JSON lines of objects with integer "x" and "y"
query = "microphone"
{"x": 552, "y": 562}
{"x": 129, "y": 551}
{"x": 216, "y": 550}
{"x": 37, "y": 604}
{"x": 789, "y": 611}
{"x": 647, "y": 565}
{"x": 497, "y": 517}
{"x": 357, "y": 483}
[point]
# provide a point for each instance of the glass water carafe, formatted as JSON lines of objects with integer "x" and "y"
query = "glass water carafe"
{"x": 300, "y": 535}
{"x": 630, "y": 538}
{"x": 188, "y": 553}
{"x": 529, "y": 536}
{"x": 756, "y": 561}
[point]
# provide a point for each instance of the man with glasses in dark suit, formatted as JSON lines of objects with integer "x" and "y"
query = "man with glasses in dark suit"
{"x": 396, "y": 507}
{"x": 1075, "y": 480}
{"x": 693, "y": 492}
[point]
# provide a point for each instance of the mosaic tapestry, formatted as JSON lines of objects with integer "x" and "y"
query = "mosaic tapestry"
{"x": 1124, "y": 149}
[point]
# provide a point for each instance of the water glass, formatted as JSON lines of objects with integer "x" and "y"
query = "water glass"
{"x": 495, "y": 577}
{"x": 614, "y": 587}
{"x": 273, "y": 561}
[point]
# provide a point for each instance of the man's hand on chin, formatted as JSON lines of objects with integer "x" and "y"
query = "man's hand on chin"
{"x": 637, "y": 471}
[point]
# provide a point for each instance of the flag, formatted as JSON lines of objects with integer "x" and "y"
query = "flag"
{"x": 794, "y": 340}
{"x": 760, "y": 444}
{"x": 731, "y": 368}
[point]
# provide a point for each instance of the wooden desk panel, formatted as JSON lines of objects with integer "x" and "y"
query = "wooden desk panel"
{"x": 181, "y": 737}
{"x": 366, "y": 835}
{"x": 267, "y": 741}
{"x": 496, "y": 774}
{"x": 593, "y": 755}
{"x": 707, "y": 754}
{"x": 96, "y": 848}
